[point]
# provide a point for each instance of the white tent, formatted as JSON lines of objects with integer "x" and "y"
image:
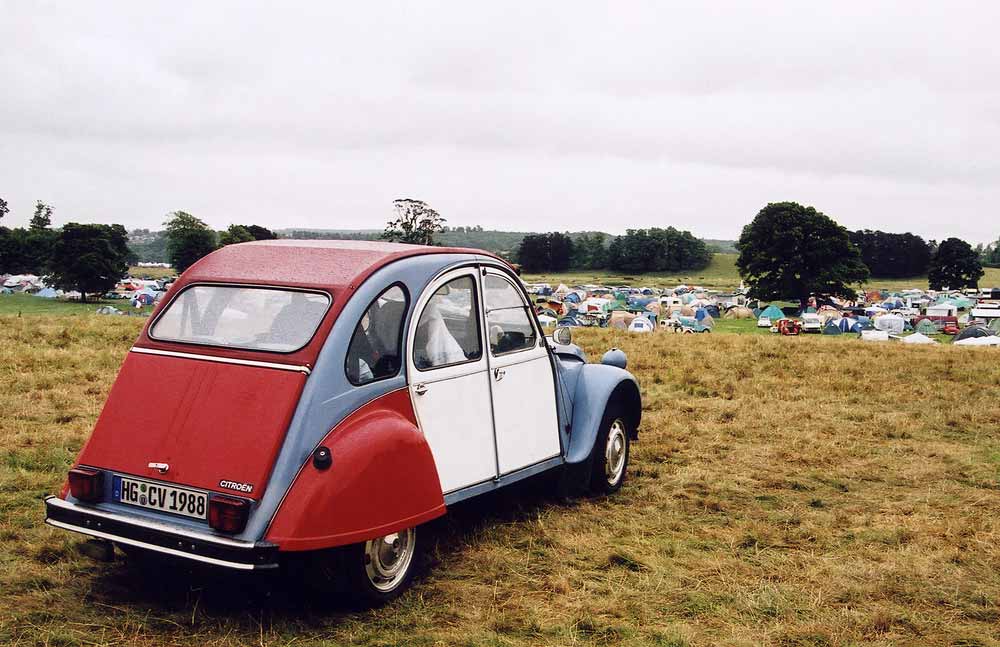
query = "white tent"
{"x": 546, "y": 320}
{"x": 641, "y": 324}
{"x": 992, "y": 340}
{"x": 890, "y": 323}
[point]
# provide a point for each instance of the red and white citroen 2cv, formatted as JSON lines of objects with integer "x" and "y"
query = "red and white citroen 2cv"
{"x": 316, "y": 395}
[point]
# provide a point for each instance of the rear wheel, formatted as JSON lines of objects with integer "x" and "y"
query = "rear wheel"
{"x": 380, "y": 569}
{"x": 609, "y": 457}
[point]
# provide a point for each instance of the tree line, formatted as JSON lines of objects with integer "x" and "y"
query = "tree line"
{"x": 92, "y": 258}
{"x": 790, "y": 251}
{"x": 638, "y": 250}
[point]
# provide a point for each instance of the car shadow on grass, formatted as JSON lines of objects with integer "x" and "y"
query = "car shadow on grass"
{"x": 179, "y": 592}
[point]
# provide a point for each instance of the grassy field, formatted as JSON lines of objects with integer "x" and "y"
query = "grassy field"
{"x": 720, "y": 274}
{"x": 26, "y": 304}
{"x": 785, "y": 491}
{"x": 151, "y": 273}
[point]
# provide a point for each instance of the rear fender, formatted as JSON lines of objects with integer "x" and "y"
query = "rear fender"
{"x": 383, "y": 479}
{"x": 598, "y": 385}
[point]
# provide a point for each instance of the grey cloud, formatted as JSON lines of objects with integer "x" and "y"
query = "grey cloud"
{"x": 516, "y": 116}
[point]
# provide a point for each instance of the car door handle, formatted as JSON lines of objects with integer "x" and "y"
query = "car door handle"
{"x": 498, "y": 374}
{"x": 420, "y": 389}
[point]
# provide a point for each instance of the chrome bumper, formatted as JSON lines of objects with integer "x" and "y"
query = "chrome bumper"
{"x": 161, "y": 537}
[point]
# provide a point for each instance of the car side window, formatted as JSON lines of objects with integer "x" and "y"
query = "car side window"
{"x": 448, "y": 330}
{"x": 507, "y": 318}
{"x": 376, "y": 347}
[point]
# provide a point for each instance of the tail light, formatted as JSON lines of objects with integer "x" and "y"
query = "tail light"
{"x": 86, "y": 484}
{"x": 227, "y": 514}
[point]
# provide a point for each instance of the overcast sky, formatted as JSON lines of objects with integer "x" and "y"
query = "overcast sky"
{"x": 533, "y": 117}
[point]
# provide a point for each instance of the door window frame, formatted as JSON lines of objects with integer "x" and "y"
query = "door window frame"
{"x": 525, "y": 307}
{"x": 476, "y": 309}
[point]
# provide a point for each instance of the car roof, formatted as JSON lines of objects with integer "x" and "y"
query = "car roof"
{"x": 320, "y": 264}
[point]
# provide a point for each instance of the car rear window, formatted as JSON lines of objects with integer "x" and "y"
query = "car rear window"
{"x": 254, "y": 318}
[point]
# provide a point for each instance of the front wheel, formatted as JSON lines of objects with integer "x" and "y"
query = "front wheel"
{"x": 380, "y": 569}
{"x": 611, "y": 452}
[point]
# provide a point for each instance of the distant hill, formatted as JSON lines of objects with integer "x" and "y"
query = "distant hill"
{"x": 151, "y": 246}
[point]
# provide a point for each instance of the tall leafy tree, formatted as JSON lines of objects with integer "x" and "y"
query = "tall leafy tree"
{"x": 42, "y": 218}
{"x": 545, "y": 252}
{"x": 89, "y": 258}
{"x": 589, "y": 251}
{"x": 793, "y": 252}
{"x": 235, "y": 234}
{"x": 260, "y": 233}
{"x": 892, "y": 255}
{"x": 4, "y": 209}
{"x": 416, "y": 223}
{"x": 955, "y": 265}
{"x": 657, "y": 250}
{"x": 188, "y": 239}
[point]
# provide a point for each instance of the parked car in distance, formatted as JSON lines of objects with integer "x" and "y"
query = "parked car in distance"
{"x": 789, "y": 327}
{"x": 764, "y": 322}
{"x": 318, "y": 401}
{"x": 811, "y": 323}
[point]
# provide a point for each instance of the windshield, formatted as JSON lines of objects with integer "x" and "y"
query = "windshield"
{"x": 254, "y": 318}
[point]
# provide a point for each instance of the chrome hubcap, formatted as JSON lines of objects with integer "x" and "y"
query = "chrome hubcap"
{"x": 614, "y": 453}
{"x": 387, "y": 559}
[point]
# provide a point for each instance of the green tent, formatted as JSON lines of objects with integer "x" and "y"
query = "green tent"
{"x": 832, "y": 329}
{"x": 772, "y": 312}
{"x": 927, "y": 327}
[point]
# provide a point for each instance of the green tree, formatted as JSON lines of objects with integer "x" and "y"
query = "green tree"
{"x": 261, "y": 233}
{"x": 188, "y": 239}
{"x": 416, "y": 223}
{"x": 793, "y": 252}
{"x": 89, "y": 258}
{"x": 657, "y": 250}
{"x": 955, "y": 265}
{"x": 4, "y": 209}
{"x": 589, "y": 251}
{"x": 235, "y": 234}
{"x": 545, "y": 252}
{"x": 42, "y": 219}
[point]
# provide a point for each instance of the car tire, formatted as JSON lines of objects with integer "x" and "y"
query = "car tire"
{"x": 610, "y": 454}
{"x": 379, "y": 570}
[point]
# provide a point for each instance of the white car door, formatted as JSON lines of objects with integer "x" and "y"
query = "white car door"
{"x": 521, "y": 378}
{"x": 449, "y": 380}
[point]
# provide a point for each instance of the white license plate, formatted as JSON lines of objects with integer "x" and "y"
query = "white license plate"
{"x": 158, "y": 496}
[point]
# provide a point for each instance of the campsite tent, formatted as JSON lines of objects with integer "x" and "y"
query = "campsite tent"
{"x": 641, "y": 324}
{"x": 739, "y": 312}
{"x": 890, "y": 323}
{"x": 831, "y": 329}
{"x": 927, "y": 327}
{"x": 772, "y": 312}
{"x": 992, "y": 340}
{"x": 973, "y": 332}
{"x": 620, "y": 319}
{"x": 47, "y": 293}
{"x": 547, "y": 320}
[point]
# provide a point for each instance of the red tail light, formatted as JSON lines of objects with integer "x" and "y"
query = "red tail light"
{"x": 227, "y": 514}
{"x": 86, "y": 484}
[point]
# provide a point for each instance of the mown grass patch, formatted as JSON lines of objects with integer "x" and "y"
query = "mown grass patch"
{"x": 784, "y": 492}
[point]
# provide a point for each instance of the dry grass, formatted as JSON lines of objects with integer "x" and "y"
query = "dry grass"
{"x": 786, "y": 491}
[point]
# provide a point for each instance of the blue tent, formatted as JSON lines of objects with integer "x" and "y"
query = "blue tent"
{"x": 713, "y": 311}
{"x": 46, "y": 293}
{"x": 831, "y": 329}
{"x": 849, "y": 325}
{"x": 700, "y": 314}
{"x": 772, "y": 312}
{"x": 573, "y": 297}
{"x": 568, "y": 321}
{"x": 647, "y": 291}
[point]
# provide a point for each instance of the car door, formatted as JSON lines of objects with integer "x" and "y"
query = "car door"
{"x": 449, "y": 380}
{"x": 521, "y": 378}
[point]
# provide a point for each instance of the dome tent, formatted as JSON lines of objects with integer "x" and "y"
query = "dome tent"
{"x": 974, "y": 332}
{"x": 926, "y": 327}
{"x": 772, "y": 312}
{"x": 831, "y": 329}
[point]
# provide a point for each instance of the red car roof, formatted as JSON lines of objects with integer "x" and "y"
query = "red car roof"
{"x": 323, "y": 264}
{"x": 337, "y": 266}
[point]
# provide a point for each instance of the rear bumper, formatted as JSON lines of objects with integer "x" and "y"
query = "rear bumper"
{"x": 161, "y": 537}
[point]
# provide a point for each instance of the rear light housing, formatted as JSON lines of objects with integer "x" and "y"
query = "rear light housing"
{"x": 227, "y": 514}
{"x": 86, "y": 484}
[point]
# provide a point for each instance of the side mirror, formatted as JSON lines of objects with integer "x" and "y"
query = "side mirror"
{"x": 562, "y": 336}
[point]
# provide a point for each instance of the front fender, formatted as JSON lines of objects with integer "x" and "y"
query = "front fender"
{"x": 595, "y": 387}
{"x": 383, "y": 479}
